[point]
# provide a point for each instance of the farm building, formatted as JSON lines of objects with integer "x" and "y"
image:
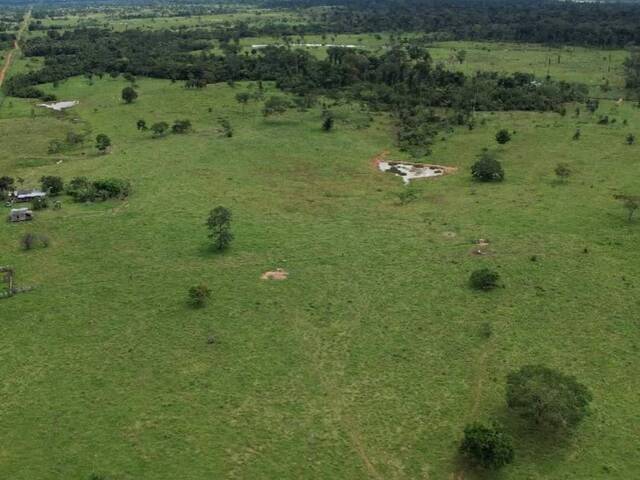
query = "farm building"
{"x": 20, "y": 215}
{"x": 27, "y": 195}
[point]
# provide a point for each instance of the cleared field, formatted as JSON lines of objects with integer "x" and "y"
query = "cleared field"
{"x": 370, "y": 359}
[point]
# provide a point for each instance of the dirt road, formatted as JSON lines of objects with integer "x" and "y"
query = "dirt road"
{"x": 16, "y": 46}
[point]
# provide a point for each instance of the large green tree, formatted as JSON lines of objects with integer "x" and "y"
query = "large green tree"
{"x": 546, "y": 397}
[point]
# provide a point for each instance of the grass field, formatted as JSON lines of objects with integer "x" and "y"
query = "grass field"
{"x": 370, "y": 359}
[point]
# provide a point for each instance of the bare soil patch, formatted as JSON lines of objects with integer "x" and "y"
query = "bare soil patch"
{"x": 277, "y": 274}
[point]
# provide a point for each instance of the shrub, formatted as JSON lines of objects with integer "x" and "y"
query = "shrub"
{"x": 82, "y": 190}
{"x": 226, "y": 129}
{"x": 487, "y": 168}
{"x": 503, "y": 136}
{"x": 631, "y": 139}
{"x": 546, "y": 397}
{"x": 275, "y": 106}
{"x": 484, "y": 279}
{"x": 39, "y": 203}
{"x": 487, "y": 447}
{"x": 129, "y": 94}
{"x": 103, "y": 142}
{"x": 562, "y": 171}
{"x": 51, "y": 184}
{"x": 198, "y": 295}
{"x": 327, "y": 124}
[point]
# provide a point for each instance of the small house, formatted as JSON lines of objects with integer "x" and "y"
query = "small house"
{"x": 27, "y": 195}
{"x": 20, "y": 215}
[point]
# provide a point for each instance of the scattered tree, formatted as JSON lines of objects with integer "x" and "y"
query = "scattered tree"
{"x": 53, "y": 185}
{"x": 6, "y": 184}
{"x": 103, "y": 142}
{"x": 546, "y": 397}
{"x": 198, "y": 295}
{"x": 487, "y": 168}
{"x": 129, "y": 94}
{"x": 631, "y": 139}
{"x": 219, "y": 224}
{"x": 141, "y": 125}
{"x": 503, "y": 136}
{"x": 484, "y": 279}
{"x": 461, "y": 55}
{"x": 576, "y": 135}
{"x": 487, "y": 447}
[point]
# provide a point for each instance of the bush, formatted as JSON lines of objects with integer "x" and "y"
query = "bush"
{"x": 484, "y": 279}
{"x": 487, "y": 447}
{"x": 53, "y": 185}
{"x": 546, "y": 397}
{"x": 503, "y": 136}
{"x": 82, "y": 190}
{"x": 181, "y": 126}
{"x": 198, "y": 295}
{"x": 487, "y": 168}
{"x": 30, "y": 241}
{"x": 159, "y": 128}
{"x": 275, "y": 106}
{"x": 39, "y": 203}
{"x": 562, "y": 171}
{"x": 226, "y": 130}
{"x": 103, "y": 142}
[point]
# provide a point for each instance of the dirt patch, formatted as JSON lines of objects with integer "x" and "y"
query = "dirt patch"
{"x": 277, "y": 274}
{"x": 408, "y": 170}
{"x": 481, "y": 247}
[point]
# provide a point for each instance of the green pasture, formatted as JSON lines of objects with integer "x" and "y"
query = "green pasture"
{"x": 366, "y": 363}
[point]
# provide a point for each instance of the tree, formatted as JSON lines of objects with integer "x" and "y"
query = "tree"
{"x": 503, "y": 136}
{"x": 547, "y": 398}
{"x": 219, "y": 224}
{"x": 562, "y": 171}
{"x": 181, "y": 126}
{"x": 243, "y": 98}
{"x": 487, "y": 168}
{"x": 159, "y": 129}
{"x": 576, "y": 135}
{"x": 51, "y": 184}
{"x": 487, "y": 447}
{"x": 129, "y": 94}
{"x": 198, "y": 295}
{"x": 275, "y": 106}
{"x": 461, "y": 55}
{"x": 141, "y": 125}
{"x": 103, "y": 142}
{"x": 631, "y": 203}
{"x": 631, "y": 139}
{"x": 484, "y": 279}
{"x": 6, "y": 184}
{"x": 327, "y": 124}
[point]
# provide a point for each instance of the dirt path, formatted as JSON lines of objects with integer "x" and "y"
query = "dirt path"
{"x": 16, "y": 46}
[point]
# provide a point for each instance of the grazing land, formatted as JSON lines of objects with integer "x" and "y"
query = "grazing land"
{"x": 372, "y": 356}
